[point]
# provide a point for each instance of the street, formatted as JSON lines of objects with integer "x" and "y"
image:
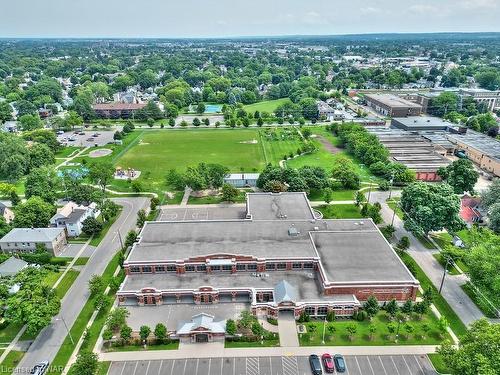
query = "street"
{"x": 48, "y": 342}
{"x": 284, "y": 365}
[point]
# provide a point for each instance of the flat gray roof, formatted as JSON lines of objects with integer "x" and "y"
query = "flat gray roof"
{"x": 173, "y": 241}
{"x": 392, "y": 100}
{"x": 429, "y": 122}
{"x": 32, "y": 235}
{"x": 269, "y": 206}
{"x": 487, "y": 145}
{"x": 365, "y": 256}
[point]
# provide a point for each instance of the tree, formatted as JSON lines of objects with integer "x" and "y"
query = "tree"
{"x": 200, "y": 108}
{"x": 141, "y": 217}
{"x": 34, "y": 213}
{"x": 73, "y": 119}
{"x": 96, "y": 284}
{"x": 101, "y": 173}
{"x": 109, "y": 209}
{"x": 43, "y": 136}
{"x": 40, "y": 155}
{"x": 5, "y": 112}
{"x": 494, "y": 217}
{"x": 421, "y": 308}
{"x": 391, "y": 328}
{"x": 160, "y": 333}
{"x": 351, "y": 330}
{"x": 87, "y": 363}
{"x": 407, "y": 307}
{"x": 153, "y": 204}
{"x": 30, "y": 122}
{"x": 35, "y": 303}
{"x": 371, "y": 306}
{"x": 372, "y": 328}
{"x": 491, "y": 195}
{"x": 460, "y": 175}
{"x": 196, "y": 121}
{"x": 125, "y": 333}
{"x": 444, "y": 103}
{"x": 229, "y": 193}
{"x": 327, "y": 195}
{"x": 404, "y": 243}
{"x": 344, "y": 172}
{"x": 14, "y": 156}
{"x": 430, "y": 207}
{"x": 478, "y": 351}
{"x": 409, "y": 329}
{"x": 144, "y": 333}
{"x": 91, "y": 226}
{"x": 392, "y": 308}
{"x": 360, "y": 198}
{"x": 443, "y": 325}
{"x": 42, "y": 182}
{"x": 425, "y": 330}
{"x": 117, "y": 318}
{"x": 230, "y": 327}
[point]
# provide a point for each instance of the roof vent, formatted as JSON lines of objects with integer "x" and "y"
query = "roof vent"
{"x": 316, "y": 228}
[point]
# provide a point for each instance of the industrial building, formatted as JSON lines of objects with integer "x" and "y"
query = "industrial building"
{"x": 392, "y": 105}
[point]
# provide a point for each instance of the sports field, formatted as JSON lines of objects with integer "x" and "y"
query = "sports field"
{"x": 265, "y": 106}
{"x": 158, "y": 151}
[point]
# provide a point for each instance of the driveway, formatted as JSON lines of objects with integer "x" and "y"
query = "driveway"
{"x": 452, "y": 292}
{"x": 287, "y": 329}
{"x": 48, "y": 342}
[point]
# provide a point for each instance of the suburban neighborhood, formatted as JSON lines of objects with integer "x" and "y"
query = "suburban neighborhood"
{"x": 303, "y": 198}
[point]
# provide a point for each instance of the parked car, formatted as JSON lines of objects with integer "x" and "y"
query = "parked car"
{"x": 315, "y": 364}
{"x": 81, "y": 133}
{"x": 339, "y": 362}
{"x": 71, "y": 139}
{"x": 328, "y": 363}
{"x": 59, "y": 132}
{"x": 90, "y": 139}
{"x": 96, "y": 135}
{"x": 40, "y": 368}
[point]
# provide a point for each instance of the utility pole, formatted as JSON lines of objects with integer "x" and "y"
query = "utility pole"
{"x": 393, "y": 215}
{"x": 67, "y": 329}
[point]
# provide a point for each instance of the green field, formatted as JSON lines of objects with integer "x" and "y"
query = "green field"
{"x": 268, "y": 106}
{"x": 340, "y": 211}
{"x": 279, "y": 143}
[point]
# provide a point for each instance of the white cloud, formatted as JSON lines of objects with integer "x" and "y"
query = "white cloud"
{"x": 479, "y": 4}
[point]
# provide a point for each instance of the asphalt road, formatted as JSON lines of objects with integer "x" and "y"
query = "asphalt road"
{"x": 286, "y": 365}
{"x": 48, "y": 342}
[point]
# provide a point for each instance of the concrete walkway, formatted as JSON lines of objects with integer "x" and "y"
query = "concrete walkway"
{"x": 287, "y": 328}
{"x": 185, "y": 197}
{"x": 210, "y": 351}
{"x": 266, "y": 325}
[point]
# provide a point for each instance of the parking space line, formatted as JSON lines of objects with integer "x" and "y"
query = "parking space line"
{"x": 234, "y": 366}
{"x": 383, "y": 367}
{"x": 135, "y": 368}
{"x": 147, "y": 368}
{"x": 221, "y": 365}
{"x": 172, "y": 370}
{"x": 418, "y": 363}
{"x": 185, "y": 364}
{"x": 123, "y": 368}
{"x": 359, "y": 368}
{"x": 185, "y": 213}
{"x": 209, "y": 364}
{"x": 368, "y": 358}
{"x": 394, "y": 363}
{"x": 161, "y": 364}
{"x": 408, "y": 367}
{"x": 197, "y": 363}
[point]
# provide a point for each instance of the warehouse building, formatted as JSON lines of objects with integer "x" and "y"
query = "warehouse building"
{"x": 392, "y": 105}
{"x": 281, "y": 256}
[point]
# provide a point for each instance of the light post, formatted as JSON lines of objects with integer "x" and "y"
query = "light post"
{"x": 393, "y": 215}
{"x": 397, "y": 331}
{"x": 390, "y": 185}
{"x": 324, "y": 329}
{"x": 67, "y": 329}
{"x": 448, "y": 260}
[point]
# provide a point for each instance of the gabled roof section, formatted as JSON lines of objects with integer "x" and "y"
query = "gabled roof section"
{"x": 204, "y": 322}
{"x": 285, "y": 292}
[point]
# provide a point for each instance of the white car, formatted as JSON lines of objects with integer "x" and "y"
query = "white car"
{"x": 40, "y": 368}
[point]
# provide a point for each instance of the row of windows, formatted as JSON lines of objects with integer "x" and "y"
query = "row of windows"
{"x": 323, "y": 310}
{"x": 225, "y": 267}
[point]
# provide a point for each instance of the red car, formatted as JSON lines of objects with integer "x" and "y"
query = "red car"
{"x": 328, "y": 363}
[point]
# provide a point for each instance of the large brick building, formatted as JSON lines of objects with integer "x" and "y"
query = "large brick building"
{"x": 392, "y": 105}
{"x": 117, "y": 110}
{"x": 281, "y": 255}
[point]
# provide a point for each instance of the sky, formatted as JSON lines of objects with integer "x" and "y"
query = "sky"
{"x": 232, "y": 18}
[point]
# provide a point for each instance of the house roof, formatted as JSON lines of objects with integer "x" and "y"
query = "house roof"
{"x": 204, "y": 322}
{"x": 12, "y": 266}
{"x": 2, "y": 208}
{"x": 118, "y": 106}
{"x": 32, "y": 235}
{"x": 285, "y": 292}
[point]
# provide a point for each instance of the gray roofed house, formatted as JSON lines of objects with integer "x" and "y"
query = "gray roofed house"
{"x": 202, "y": 328}
{"x": 12, "y": 267}
{"x": 26, "y": 239}
{"x": 6, "y": 212}
{"x": 72, "y": 216}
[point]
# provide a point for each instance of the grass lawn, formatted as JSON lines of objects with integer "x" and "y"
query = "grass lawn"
{"x": 66, "y": 152}
{"x": 279, "y": 143}
{"x": 8, "y": 333}
{"x": 252, "y": 344}
{"x": 380, "y": 337}
{"x": 66, "y": 283}
{"x": 11, "y": 361}
{"x": 103, "y": 368}
{"x": 176, "y": 199}
{"x": 80, "y": 324}
{"x": 174, "y": 345}
{"x": 340, "y": 211}
{"x": 216, "y": 199}
{"x": 268, "y": 106}
{"x": 484, "y": 306}
{"x": 438, "y": 363}
{"x": 156, "y": 152}
{"x": 338, "y": 195}
{"x": 52, "y": 277}
{"x": 444, "y": 308}
{"x": 451, "y": 269}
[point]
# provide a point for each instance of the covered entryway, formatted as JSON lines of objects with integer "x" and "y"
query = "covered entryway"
{"x": 201, "y": 337}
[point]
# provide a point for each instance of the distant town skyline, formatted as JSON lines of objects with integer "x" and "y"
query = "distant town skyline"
{"x": 233, "y": 18}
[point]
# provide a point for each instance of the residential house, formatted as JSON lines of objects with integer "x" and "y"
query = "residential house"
{"x": 6, "y": 212}
{"x": 469, "y": 210}
{"x": 12, "y": 266}
{"x": 26, "y": 240}
{"x": 72, "y": 216}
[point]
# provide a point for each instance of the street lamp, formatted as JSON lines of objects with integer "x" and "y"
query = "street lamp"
{"x": 67, "y": 329}
{"x": 448, "y": 261}
{"x": 397, "y": 331}
{"x": 324, "y": 329}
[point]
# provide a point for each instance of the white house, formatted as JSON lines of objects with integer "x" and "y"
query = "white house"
{"x": 26, "y": 239}
{"x": 72, "y": 216}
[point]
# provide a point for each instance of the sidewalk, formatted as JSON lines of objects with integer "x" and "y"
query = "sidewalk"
{"x": 209, "y": 351}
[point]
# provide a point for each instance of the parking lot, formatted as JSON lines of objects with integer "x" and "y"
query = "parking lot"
{"x": 202, "y": 213}
{"x": 286, "y": 365}
{"x": 83, "y": 140}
